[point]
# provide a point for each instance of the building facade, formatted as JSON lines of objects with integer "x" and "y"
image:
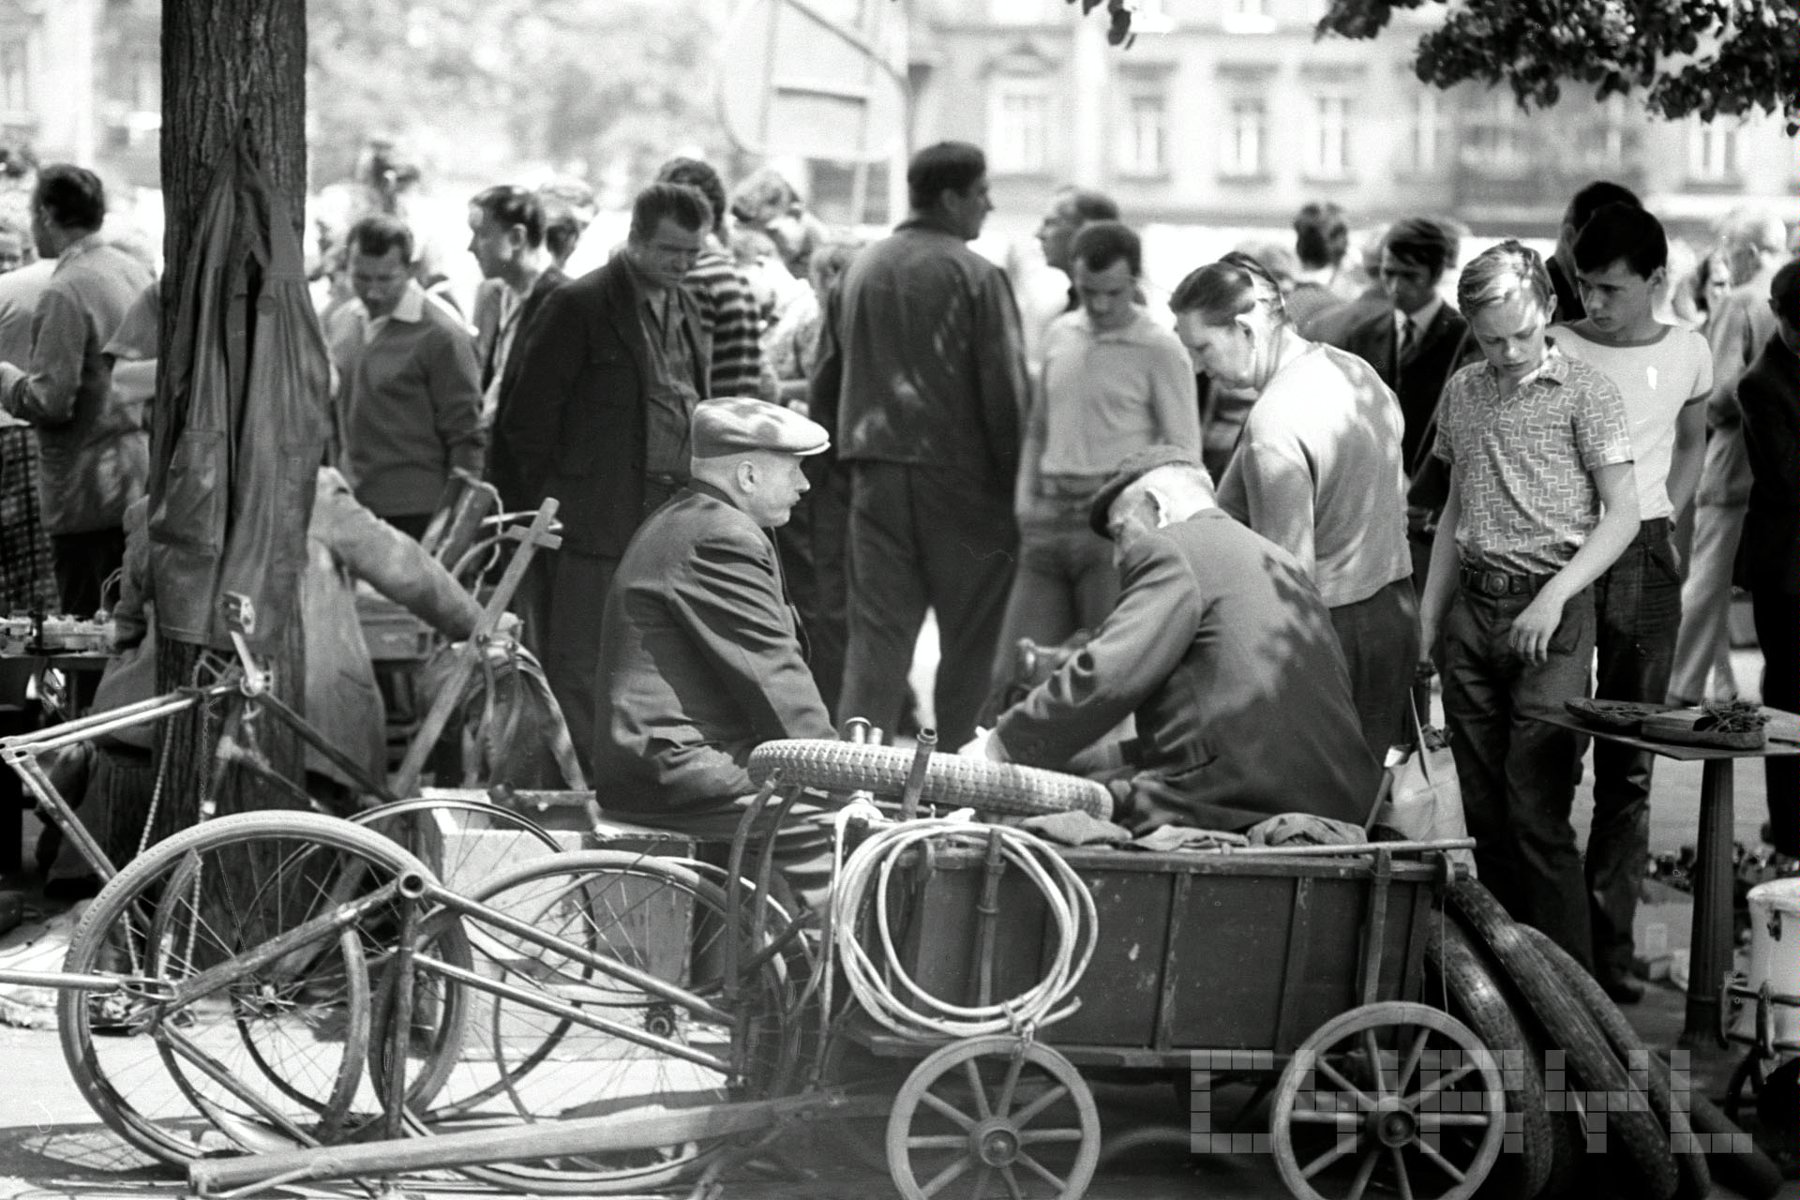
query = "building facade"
{"x": 1231, "y": 112}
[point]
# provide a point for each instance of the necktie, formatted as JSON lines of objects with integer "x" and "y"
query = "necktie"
{"x": 1408, "y": 335}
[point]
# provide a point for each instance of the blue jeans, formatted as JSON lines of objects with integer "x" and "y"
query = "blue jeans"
{"x": 1637, "y": 606}
{"x": 1517, "y": 772}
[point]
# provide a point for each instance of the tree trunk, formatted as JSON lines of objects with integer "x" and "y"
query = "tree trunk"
{"x": 226, "y": 65}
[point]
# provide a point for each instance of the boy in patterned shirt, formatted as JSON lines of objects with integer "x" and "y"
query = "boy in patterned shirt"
{"x": 1663, "y": 372}
{"x": 1542, "y": 501}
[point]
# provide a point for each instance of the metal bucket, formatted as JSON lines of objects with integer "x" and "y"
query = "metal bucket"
{"x": 1774, "y": 961}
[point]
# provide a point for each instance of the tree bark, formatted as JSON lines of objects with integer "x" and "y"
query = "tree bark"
{"x": 226, "y": 65}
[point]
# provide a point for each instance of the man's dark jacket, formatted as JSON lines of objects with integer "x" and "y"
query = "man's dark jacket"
{"x": 1769, "y": 396}
{"x": 501, "y": 472}
{"x": 1222, "y": 648}
{"x": 574, "y": 418}
{"x": 700, "y": 660}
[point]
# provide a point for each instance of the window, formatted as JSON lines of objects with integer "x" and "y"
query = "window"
{"x": 1242, "y": 153}
{"x": 1144, "y": 134}
{"x": 1020, "y": 126}
{"x": 15, "y": 74}
{"x": 1328, "y": 141}
{"x": 1712, "y": 153}
{"x": 1247, "y": 16}
{"x": 1495, "y": 138}
{"x": 1602, "y": 140}
{"x": 1425, "y": 134}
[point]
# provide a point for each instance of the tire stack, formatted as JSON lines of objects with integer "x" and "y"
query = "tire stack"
{"x": 1578, "y": 1078}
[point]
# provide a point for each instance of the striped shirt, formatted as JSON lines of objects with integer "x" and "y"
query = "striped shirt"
{"x": 729, "y": 316}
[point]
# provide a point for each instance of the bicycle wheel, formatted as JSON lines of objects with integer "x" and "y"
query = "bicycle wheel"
{"x": 463, "y": 840}
{"x": 523, "y": 1064}
{"x": 272, "y": 1057}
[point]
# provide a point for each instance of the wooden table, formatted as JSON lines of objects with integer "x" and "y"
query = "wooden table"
{"x": 1711, "y": 953}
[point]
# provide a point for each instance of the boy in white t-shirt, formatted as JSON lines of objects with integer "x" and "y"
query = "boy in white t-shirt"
{"x": 1664, "y": 372}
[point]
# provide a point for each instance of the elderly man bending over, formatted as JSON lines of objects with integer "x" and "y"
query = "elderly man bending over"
{"x": 700, "y": 656}
{"x": 1222, "y": 648}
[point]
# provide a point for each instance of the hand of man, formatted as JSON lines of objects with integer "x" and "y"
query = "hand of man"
{"x": 1533, "y": 629}
{"x": 985, "y": 745}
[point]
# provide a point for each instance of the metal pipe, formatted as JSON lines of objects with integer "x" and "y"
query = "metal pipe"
{"x": 76, "y": 982}
{"x": 987, "y": 917}
{"x": 205, "y": 983}
{"x": 571, "y": 1012}
{"x": 642, "y": 980}
{"x": 399, "y": 1032}
{"x": 915, "y": 775}
{"x": 609, "y": 1134}
{"x": 356, "y": 771}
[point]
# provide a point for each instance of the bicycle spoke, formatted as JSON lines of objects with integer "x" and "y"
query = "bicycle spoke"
{"x": 1033, "y": 1137}
{"x": 1364, "y": 1170}
{"x": 938, "y": 1141}
{"x": 1433, "y": 1120}
{"x": 1013, "y": 1190}
{"x": 1320, "y": 1116}
{"x": 1440, "y": 1084}
{"x": 1003, "y": 1106}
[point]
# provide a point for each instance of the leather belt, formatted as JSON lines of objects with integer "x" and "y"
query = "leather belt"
{"x": 1489, "y": 581}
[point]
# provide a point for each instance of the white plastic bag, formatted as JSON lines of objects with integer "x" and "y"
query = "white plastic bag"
{"x": 1421, "y": 798}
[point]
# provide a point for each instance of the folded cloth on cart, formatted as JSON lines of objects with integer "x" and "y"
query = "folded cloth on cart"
{"x": 1076, "y": 828}
{"x": 1288, "y": 829}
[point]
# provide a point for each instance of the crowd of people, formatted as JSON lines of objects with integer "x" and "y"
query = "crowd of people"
{"x": 775, "y": 449}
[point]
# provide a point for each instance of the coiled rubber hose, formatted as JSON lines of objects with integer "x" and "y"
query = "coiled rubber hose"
{"x": 902, "y": 1005}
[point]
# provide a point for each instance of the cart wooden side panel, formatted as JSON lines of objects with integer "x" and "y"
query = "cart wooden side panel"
{"x": 1196, "y": 951}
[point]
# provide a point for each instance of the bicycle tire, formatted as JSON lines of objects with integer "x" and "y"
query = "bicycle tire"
{"x": 101, "y": 1070}
{"x": 772, "y": 1062}
{"x": 1631, "y": 1123}
{"x": 1485, "y": 1008}
{"x": 1696, "y": 1180}
{"x": 951, "y": 781}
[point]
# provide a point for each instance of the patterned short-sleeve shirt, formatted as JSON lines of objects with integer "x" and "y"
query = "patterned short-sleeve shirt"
{"x": 1527, "y": 464}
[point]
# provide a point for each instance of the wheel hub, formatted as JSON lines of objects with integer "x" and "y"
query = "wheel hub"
{"x": 660, "y": 1019}
{"x": 995, "y": 1142}
{"x": 1392, "y": 1123}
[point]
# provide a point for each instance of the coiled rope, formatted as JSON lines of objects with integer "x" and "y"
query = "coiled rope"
{"x": 892, "y": 997}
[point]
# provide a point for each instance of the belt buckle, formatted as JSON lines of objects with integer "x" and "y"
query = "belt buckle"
{"x": 1496, "y": 583}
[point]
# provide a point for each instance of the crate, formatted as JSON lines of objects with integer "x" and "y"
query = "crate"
{"x": 1195, "y": 951}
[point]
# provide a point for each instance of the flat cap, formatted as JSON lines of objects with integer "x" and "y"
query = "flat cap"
{"x": 1134, "y": 467}
{"x": 735, "y": 424}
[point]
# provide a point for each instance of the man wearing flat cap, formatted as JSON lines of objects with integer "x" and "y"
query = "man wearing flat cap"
{"x": 1223, "y": 650}
{"x": 700, "y": 651}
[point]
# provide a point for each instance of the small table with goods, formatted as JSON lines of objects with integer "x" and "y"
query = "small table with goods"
{"x": 1682, "y": 734}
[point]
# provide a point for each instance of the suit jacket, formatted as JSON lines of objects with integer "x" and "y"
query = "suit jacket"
{"x": 573, "y": 418}
{"x": 1419, "y": 381}
{"x": 700, "y": 660}
{"x": 1222, "y": 648}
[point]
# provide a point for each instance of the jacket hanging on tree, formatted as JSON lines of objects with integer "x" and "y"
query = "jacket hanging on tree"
{"x": 247, "y": 373}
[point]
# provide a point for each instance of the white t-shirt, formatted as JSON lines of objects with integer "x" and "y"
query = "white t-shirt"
{"x": 1658, "y": 378}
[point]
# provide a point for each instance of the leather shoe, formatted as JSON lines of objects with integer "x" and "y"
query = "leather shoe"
{"x": 1628, "y": 990}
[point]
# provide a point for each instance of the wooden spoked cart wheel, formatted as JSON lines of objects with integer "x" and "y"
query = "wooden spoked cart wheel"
{"x": 1400, "y": 1096}
{"x": 997, "y": 1116}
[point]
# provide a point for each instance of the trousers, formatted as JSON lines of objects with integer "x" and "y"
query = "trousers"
{"x": 1702, "y": 668}
{"x": 1517, "y": 772}
{"x": 924, "y": 537}
{"x": 1637, "y": 606}
{"x": 1380, "y": 637}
